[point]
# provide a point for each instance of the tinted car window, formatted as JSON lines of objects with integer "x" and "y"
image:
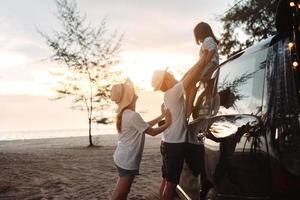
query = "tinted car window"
{"x": 282, "y": 106}
{"x": 241, "y": 83}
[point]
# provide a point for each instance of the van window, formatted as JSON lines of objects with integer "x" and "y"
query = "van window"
{"x": 282, "y": 106}
{"x": 240, "y": 84}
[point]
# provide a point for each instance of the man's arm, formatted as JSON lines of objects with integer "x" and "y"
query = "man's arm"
{"x": 208, "y": 58}
{"x": 192, "y": 74}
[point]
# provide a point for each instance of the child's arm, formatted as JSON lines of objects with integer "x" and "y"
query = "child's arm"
{"x": 155, "y": 131}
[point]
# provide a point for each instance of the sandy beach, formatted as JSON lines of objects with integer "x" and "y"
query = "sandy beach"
{"x": 65, "y": 168}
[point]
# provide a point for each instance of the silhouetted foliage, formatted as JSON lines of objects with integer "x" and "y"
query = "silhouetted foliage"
{"x": 232, "y": 87}
{"x": 88, "y": 52}
{"x": 254, "y": 18}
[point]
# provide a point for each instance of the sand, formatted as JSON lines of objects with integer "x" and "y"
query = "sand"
{"x": 65, "y": 168}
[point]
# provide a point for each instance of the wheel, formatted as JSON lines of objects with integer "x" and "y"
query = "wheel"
{"x": 211, "y": 194}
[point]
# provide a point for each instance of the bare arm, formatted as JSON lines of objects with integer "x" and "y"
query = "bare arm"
{"x": 159, "y": 118}
{"x": 155, "y": 121}
{"x": 155, "y": 131}
{"x": 208, "y": 58}
{"x": 191, "y": 76}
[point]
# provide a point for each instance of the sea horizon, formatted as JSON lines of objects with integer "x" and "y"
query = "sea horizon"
{"x": 55, "y": 133}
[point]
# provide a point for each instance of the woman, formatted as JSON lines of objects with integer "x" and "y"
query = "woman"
{"x": 131, "y": 136}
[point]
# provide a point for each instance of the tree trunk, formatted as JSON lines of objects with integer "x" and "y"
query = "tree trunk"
{"x": 90, "y": 133}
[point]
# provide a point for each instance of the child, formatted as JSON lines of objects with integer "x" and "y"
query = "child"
{"x": 203, "y": 34}
{"x": 131, "y": 136}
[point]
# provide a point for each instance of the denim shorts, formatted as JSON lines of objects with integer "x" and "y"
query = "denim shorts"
{"x": 126, "y": 172}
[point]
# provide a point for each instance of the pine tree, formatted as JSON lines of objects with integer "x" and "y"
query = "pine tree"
{"x": 253, "y": 18}
{"x": 88, "y": 53}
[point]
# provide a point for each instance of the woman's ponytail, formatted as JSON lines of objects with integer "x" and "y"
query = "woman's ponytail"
{"x": 119, "y": 120}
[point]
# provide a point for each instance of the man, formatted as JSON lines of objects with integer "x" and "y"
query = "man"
{"x": 174, "y": 137}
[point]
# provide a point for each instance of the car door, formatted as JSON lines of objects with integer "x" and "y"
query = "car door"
{"x": 240, "y": 167}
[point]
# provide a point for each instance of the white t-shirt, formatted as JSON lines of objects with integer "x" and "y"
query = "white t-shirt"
{"x": 131, "y": 140}
{"x": 209, "y": 44}
{"x": 175, "y": 102}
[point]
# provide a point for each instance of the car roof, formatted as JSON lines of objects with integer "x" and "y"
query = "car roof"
{"x": 256, "y": 47}
{"x": 261, "y": 45}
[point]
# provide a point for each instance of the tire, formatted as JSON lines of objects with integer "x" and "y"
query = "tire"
{"x": 211, "y": 194}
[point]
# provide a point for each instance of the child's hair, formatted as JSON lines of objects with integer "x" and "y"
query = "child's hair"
{"x": 119, "y": 120}
{"x": 203, "y": 30}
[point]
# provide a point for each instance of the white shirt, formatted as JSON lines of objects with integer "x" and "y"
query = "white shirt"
{"x": 209, "y": 44}
{"x": 175, "y": 102}
{"x": 131, "y": 140}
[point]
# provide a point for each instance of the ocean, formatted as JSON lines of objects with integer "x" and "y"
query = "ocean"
{"x": 39, "y": 134}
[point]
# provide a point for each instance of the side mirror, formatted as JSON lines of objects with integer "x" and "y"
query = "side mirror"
{"x": 224, "y": 126}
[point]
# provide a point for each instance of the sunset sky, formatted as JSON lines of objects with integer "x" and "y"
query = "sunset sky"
{"x": 157, "y": 34}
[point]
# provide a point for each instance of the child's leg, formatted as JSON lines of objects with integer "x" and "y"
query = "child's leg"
{"x": 122, "y": 188}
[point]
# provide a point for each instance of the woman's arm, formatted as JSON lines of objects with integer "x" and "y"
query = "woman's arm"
{"x": 158, "y": 119}
{"x": 155, "y": 131}
{"x": 155, "y": 121}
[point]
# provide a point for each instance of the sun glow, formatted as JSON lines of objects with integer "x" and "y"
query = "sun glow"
{"x": 139, "y": 66}
{"x": 11, "y": 59}
{"x": 32, "y": 78}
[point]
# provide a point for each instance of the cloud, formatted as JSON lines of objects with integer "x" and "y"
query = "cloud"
{"x": 31, "y": 78}
{"x": 150, "y": 27}
{"x": 152, "y": 24}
